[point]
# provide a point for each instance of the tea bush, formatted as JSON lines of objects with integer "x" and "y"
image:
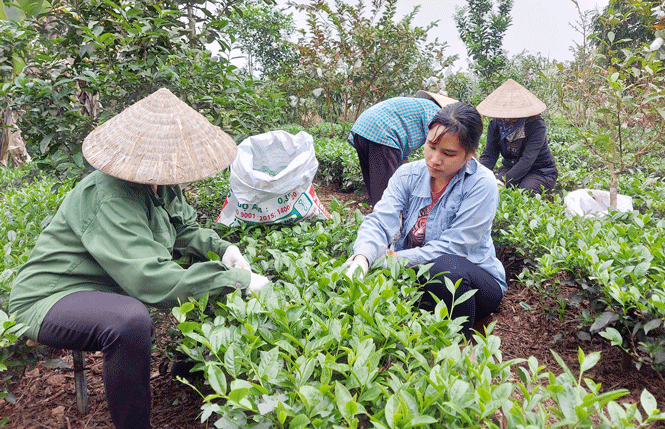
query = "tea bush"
{"x": 208, "y": 195}
{"x": 338, "y": 163}
{"x": 318, "y": 349}
{"x": 615, "y": 260}
{"x": 28, "y": 204}
{"x": 10, "y": 331}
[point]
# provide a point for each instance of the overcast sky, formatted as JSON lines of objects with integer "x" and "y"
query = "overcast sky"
{"x": 539, "y": 26}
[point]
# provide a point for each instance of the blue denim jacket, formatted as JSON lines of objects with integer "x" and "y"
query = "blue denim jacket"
{"x": 459, "y": 224}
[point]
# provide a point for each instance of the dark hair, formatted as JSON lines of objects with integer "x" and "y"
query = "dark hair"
{"x": 462, "y": 120}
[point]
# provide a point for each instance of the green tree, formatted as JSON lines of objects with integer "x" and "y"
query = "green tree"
{"x": 355, "y": 56}
{"x": 577, "y": 78}
{"x": 19, "y": 36}
{"x": 627, "y": 21}
{"x": 206, "y": 20}
{"x": 625, "y": 121}
{"x": 462, "y": 86}
{"x": 482, "y": 31}
{"x": 263, "y": 32}
{"x": 88, "y": 60}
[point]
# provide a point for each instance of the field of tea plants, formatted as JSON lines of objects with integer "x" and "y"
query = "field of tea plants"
{"x": 318, "y": 349}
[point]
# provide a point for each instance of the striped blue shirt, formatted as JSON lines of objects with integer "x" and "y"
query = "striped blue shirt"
{"x": 399, "y": 122}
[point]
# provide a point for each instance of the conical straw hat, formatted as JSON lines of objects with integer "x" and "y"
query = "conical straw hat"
{"x": 439, "y": 99}
{"x": 511, "y": 100}
{"x": 159, "y": 140}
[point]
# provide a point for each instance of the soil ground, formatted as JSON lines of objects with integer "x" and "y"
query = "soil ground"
{"x": 529, "y": 324}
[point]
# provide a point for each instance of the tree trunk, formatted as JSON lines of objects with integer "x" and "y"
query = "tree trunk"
{"x": 4, "y": 135}
{"x": 614, "y": 186}
{"x": 250, "y": 65}
{"x": 192, "y": 24}
{"x": 11, "y": 142}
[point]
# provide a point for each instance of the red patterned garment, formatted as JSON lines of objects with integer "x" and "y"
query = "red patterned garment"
{"x": 416, "y": 236}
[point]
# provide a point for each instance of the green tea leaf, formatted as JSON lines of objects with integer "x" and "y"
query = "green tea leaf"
{"x": 232, "y": 362}
{"x": 343, "y": 397}
{"x": 642, "y": 269}
{"x": 613, "y": 336}
{"x": 310, "y": 395}
{"x": 237, "y": 395}
{"x": 216, "y": 378}
{"x": 589, "y": 361}
{"x": 270, "y": 364}
{"x": 299, "y": 421}
{"x": 648, "y": 402}
{"x": 652, "y": 324}
{"x": 603, "y": 320}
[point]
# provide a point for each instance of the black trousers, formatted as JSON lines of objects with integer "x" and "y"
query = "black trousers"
{"x": 378, "y": 162}
{"x": 120, "y": 326}
{"x": 483, "y": 303}
{"x": 534, "y": 181}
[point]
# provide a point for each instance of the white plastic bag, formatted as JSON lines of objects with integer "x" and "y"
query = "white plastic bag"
{"x": 271, "y": 181}
{"x": 594, "y": 202}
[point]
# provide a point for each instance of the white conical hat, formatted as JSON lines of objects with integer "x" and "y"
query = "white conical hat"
{"x": 159, "y": 140}
{"x": 511, "y": 100}
{"x": 439, "y": 99}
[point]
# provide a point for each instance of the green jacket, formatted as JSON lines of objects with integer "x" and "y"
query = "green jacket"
{"x": 115, "y": 236}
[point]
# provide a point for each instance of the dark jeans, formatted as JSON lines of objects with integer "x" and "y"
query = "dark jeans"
{"x": 535, "y": 181}
{"x": 119, "y": 326}
{"x": 378, "y": 162}
{"x": 483, "y": 303}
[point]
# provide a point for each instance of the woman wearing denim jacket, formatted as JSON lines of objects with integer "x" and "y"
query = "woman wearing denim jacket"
{"x": 447, "y": 202}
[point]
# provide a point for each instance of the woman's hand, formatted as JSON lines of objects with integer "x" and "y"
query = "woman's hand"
{"x": 233, "y": 258}
{"x": 357, "y": 266}
{"x": 256, "y": 283}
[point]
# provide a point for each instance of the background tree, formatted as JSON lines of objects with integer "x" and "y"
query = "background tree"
{"x": 88, "y": 60}
{"x": 352, "y": 57}
{"x": 626, "y": 117}
{"x": 18, "y": 35}
{"x": 482, "y": 31}
{"x": 207, "y": 20}
{"x": 579, "y": 72}
{"x": 262, "y": 31}
{"x": 627, "y": 21}
{"x": 462, "y": 85}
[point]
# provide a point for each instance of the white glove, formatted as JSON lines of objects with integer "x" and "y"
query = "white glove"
{"x": 358, "y": 267}
{"x": 233, "y": 258}
{"x": 256, "y": 282}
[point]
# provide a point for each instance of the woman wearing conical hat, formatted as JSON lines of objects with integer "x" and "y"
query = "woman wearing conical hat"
{"x": 108, "y": 252}
{"x": 518, "y": 134}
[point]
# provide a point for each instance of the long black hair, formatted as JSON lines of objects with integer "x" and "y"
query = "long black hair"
{"x": 464, "y": 121}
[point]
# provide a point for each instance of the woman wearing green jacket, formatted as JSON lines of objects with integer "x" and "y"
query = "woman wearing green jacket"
{"x": 109, "y": 249}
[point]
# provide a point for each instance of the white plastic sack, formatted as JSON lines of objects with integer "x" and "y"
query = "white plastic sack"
{"x": 594, "y": 202}
{"x": 271, "y": 180}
